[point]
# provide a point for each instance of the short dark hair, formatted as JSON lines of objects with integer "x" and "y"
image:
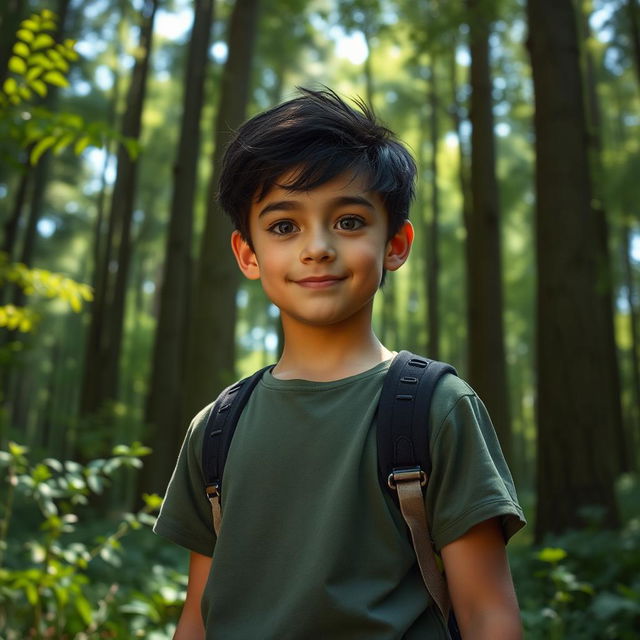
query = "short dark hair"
{"x": 321, "y": 136}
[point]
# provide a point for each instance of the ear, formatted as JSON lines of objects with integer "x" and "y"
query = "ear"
{"x": 398, "y": 247}
{"x": 245, "y": 256}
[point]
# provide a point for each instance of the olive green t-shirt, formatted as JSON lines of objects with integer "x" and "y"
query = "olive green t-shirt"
{"x": 310, "y": 545}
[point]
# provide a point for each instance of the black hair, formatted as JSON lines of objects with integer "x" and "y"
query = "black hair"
{"x": 320, "y": 137}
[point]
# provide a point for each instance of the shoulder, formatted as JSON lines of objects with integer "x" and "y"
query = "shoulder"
{"x": 458, "y": 413}
{"x": 448, "y": 394}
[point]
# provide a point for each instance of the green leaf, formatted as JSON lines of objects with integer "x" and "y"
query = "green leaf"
{"x": 40, "y": 60}
{"x": 83, "y": 607}
{"x": 39, "y": 87}
{"x": 55, "y": 78}
{"x": 25, "y": 93}
{"x": 63, "y": 143}
{"x": 43, "y": 41}
{"x": 25, "y": 325}
{"x": 25, "y": 35}
{"x": 10, "y": 86}
{"x": 32, "y": 25}
{"x": 17, "y": 65}
{"x": 17, "y": 450}
{"x": 21, "y": 49}
{"x": 44, "y": 144}
{"x": 78, "y": 148}
{"x": 58, "y": 60}
{"x": 33, "y": 73}
{"x": 552, "y": 555}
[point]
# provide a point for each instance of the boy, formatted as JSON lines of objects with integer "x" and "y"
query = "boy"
{"x": 310, "y": 545}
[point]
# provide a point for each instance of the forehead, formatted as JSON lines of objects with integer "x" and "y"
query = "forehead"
{"x": 347, "y": 184}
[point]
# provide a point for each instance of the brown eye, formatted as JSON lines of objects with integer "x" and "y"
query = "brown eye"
{"x": 283, "y": 227}
{"x": 350, "y": 223}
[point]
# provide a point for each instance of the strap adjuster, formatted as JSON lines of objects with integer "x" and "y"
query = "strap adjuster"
{"x": 212, "y": 491}
{"x": 406, "y": 475}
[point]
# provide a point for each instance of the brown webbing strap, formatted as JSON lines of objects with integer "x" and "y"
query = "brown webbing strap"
{"x": 216, "y": 509}
{"x": 408, "y": 485}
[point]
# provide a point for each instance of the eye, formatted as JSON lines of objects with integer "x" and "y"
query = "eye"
{"x": 350, "y": 223}
{"x": 282, "y": 227}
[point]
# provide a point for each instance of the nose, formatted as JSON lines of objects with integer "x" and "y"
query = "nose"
{"x": 318, "y": 248}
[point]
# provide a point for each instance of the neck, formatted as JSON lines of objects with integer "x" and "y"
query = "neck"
{"x": 324, "y": 353}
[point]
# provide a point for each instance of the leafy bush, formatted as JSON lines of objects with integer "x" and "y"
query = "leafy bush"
{"x": 581, "y": 585}
{"x": 56, "y": 581}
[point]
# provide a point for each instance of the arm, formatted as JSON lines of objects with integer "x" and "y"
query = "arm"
{"x": 480, "y": 584}
{"x": 190, "y": 626}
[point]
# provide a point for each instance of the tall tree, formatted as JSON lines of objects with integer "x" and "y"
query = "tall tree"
{"x": 164, "y": 404}
{"x": 606, "y": 284}
{"x": 633, "y": 16}
{"x": 104, "y": 341}
{"x": 576, "y": 462}
{"x": 211, "y": 350}
{"x": 433, "y": 243}
{"x": 487, "y": 363}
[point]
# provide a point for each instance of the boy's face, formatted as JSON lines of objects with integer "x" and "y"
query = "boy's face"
{"x": 320, "y": 254}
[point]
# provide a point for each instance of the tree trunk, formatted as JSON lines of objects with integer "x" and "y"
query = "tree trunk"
{"x": 633, "y": 14}
{"x": 164, "y": 403}
{"x": 632, "y": 301}
{"x": 10, "y": 16}
{"x": 102, "y": 257}
{"x": 104, "y": 360}
{"x": 576, "y": 462}
{"x": 433, "y": 243}
{"x": 606, "y": 284}
{"x": 12, "y": 224}
{"x": 211, "y": 351}
{"x": 487, "y": 365}
{"x": 463, "y": 169}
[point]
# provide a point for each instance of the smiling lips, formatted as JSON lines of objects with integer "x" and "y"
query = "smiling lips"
{"x": 319, "y": 282}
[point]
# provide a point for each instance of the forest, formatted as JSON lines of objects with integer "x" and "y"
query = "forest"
{"x": 122, "y": 311}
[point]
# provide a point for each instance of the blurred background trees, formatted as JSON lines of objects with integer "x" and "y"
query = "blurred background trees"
{"x": 524, "y": 118}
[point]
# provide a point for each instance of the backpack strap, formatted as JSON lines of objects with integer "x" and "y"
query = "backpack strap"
{"x": 221, "y": 425}
{"x": 404, "y": 462}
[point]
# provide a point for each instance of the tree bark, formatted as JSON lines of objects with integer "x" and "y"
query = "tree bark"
{"x": 433, "y": 242}
{"x": 634, "y": 320}
{"x": 10, "y": 237}
{"x": 606, "y": 285}
{"x": 104, "y": 355}
{"x": 211, "y": 351}
{"x": 164, "y": 404}
{"x": 102, "y": 257}
{"x": 633, "y": 14}
{"x": 487, "y": 363}
{"x": 576, "y": 462}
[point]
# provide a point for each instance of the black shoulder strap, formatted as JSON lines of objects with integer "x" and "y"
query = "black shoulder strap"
{"x": 403, "y": 414}
{"x": 220, "y": 427}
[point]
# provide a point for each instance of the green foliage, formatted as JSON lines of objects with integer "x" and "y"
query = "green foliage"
{"x": 41, "y": 283}
{"x": 46, "y": 585}
{"x": 584, "y": 585}
{"x": 38, "y": 63}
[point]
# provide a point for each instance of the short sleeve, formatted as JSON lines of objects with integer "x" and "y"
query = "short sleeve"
{"x": 470, "y": 481}
{"x": 185, "y": 516}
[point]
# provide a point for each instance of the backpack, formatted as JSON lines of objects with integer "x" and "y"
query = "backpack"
{"x": 404, "y": 463}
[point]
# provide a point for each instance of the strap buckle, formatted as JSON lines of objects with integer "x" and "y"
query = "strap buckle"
{"x": 213, "y": 491}
{"x": 406, "y": 475}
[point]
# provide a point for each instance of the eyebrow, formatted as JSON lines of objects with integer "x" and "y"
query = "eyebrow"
{"x": 340, "y": 201}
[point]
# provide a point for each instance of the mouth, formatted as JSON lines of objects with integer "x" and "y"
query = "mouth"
{"x": 319, "y": 282}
